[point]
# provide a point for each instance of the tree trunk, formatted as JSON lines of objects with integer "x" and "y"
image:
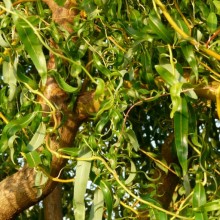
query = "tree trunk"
{"x": 53, "y": 206}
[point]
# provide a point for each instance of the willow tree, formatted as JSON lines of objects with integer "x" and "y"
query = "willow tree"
{"x": 109, "y": 109}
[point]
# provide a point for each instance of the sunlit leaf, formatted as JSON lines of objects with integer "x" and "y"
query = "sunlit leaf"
{"x": 211, "y": 206}
{"x": 132, "y": 139}
{"x": 166, "y": 74}
{"x": 132, "y": 174}
{"x": 38, "y": 138}
{"x": 100, "y": 88}
{"x": 65, "y": 86}
{"x": 33, "y": 159}
{"x": 175, "y": 91}
{"x": 100, "y": 66}
{"x": 3, "y": 42}
{"x": 212, "y": 22}
{"x": 9, "y": 71}
{"x": 217, "y": 5}
{"x": 199, "y": 195}
{"x": 33, "y": 47}
{"x": 14, "y": 126}
{"x": 97, "y": 206}
{"x": 107, "y": 193}
{"x": 201, "y": 216}
{"x": 8, "y": 4}
{"x": 181, "y": 134}
{"x": 158, "y": 215}
{"x": 81, "y": 180}
{"x": 60, "y": 2}
{"x": 188, "y": 52}
{"x": 158, "y": 28}
{"x": 11, "y": 146}
{"x": 40, "y": 181}
{"x": 73, "y": 152}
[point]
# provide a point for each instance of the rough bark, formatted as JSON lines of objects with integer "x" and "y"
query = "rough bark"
{"x": 53, "y": 206}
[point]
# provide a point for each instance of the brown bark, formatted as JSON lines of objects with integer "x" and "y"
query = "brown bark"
{"x": 53, "y": 206}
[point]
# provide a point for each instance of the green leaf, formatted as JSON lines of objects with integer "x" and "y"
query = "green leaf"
{"x": 132, "y": 174}
{"x": 40, "y": 181}
{"x": 217, "y": 5}
{"x": 14, "y": 126}
{"x": 65, "y": 86}
{"x": 211, "y": 206}
{"x": 201, "y": 216}
{"x": 158, "y": 215}
{"x": 105, "y": 105}
{"x": 100, "y": 88}
{"x": 181, "y": 134}
{"x": 9, "y": 70}
{"x": 131, "y": 136}
{"x": 33, "y": 47}
{"x": 33, "y": 159}
{"x": 107, "y": 192}
{"x": 100, "y": 66}
{"x": 159, "y": 29}
{"x": 102, "y": 123}
{"x": 3, "y": 42}
{"x": 165, "y": 72}
{"x": 199, "y": 195}
{"x": 97, "y": 206}
{"x": 81, "y": 180}
{"x": 212, "y": 22}
{"x": 188, "y": 52}
{"x": 60, "y": 2}
{"x": 73, "y": 152}
{"x": 8, "y": 4}
{"x": 175, "y": 97}
{"x": 38, "y": 139}
{"x": 11, "y": 147}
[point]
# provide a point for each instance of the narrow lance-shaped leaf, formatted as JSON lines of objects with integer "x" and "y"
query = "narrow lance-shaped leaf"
{"x": 107, "y": 192}
{"x": 175, "y": 97}
{"x": 191, "y": 59}
{"x": 132, "y": 173}
{"x": 65, "y": 86}
{"x": 33, "y": 159}
{"x": 199, "y": 200}
{"x": 181, "y": 134}
{"x": 9, "y": 70}
{"x": 158, "y": 215}
{"x": 97, "y": 206}
{"x": 33, "y": 46}
{"x": 38, "y": 138}
{"x": 159, "y": 29}
{"x": 165, "y": 72}
{"x": 3, "y": 42}
{"x": 81, "y": 180}
{"x": 212, "y": 22}
{"x": 131, "y": 136}
{"x": 201, "y": 216}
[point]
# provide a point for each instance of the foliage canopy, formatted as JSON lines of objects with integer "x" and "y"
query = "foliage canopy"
{"x": 146, "y": 136}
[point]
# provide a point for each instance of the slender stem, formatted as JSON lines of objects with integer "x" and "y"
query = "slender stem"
{"x": 115, "y": 175}
{"x": 53, "y": 112}
{"x": 183, "y": 34}
{"x": 3, "y": 118}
